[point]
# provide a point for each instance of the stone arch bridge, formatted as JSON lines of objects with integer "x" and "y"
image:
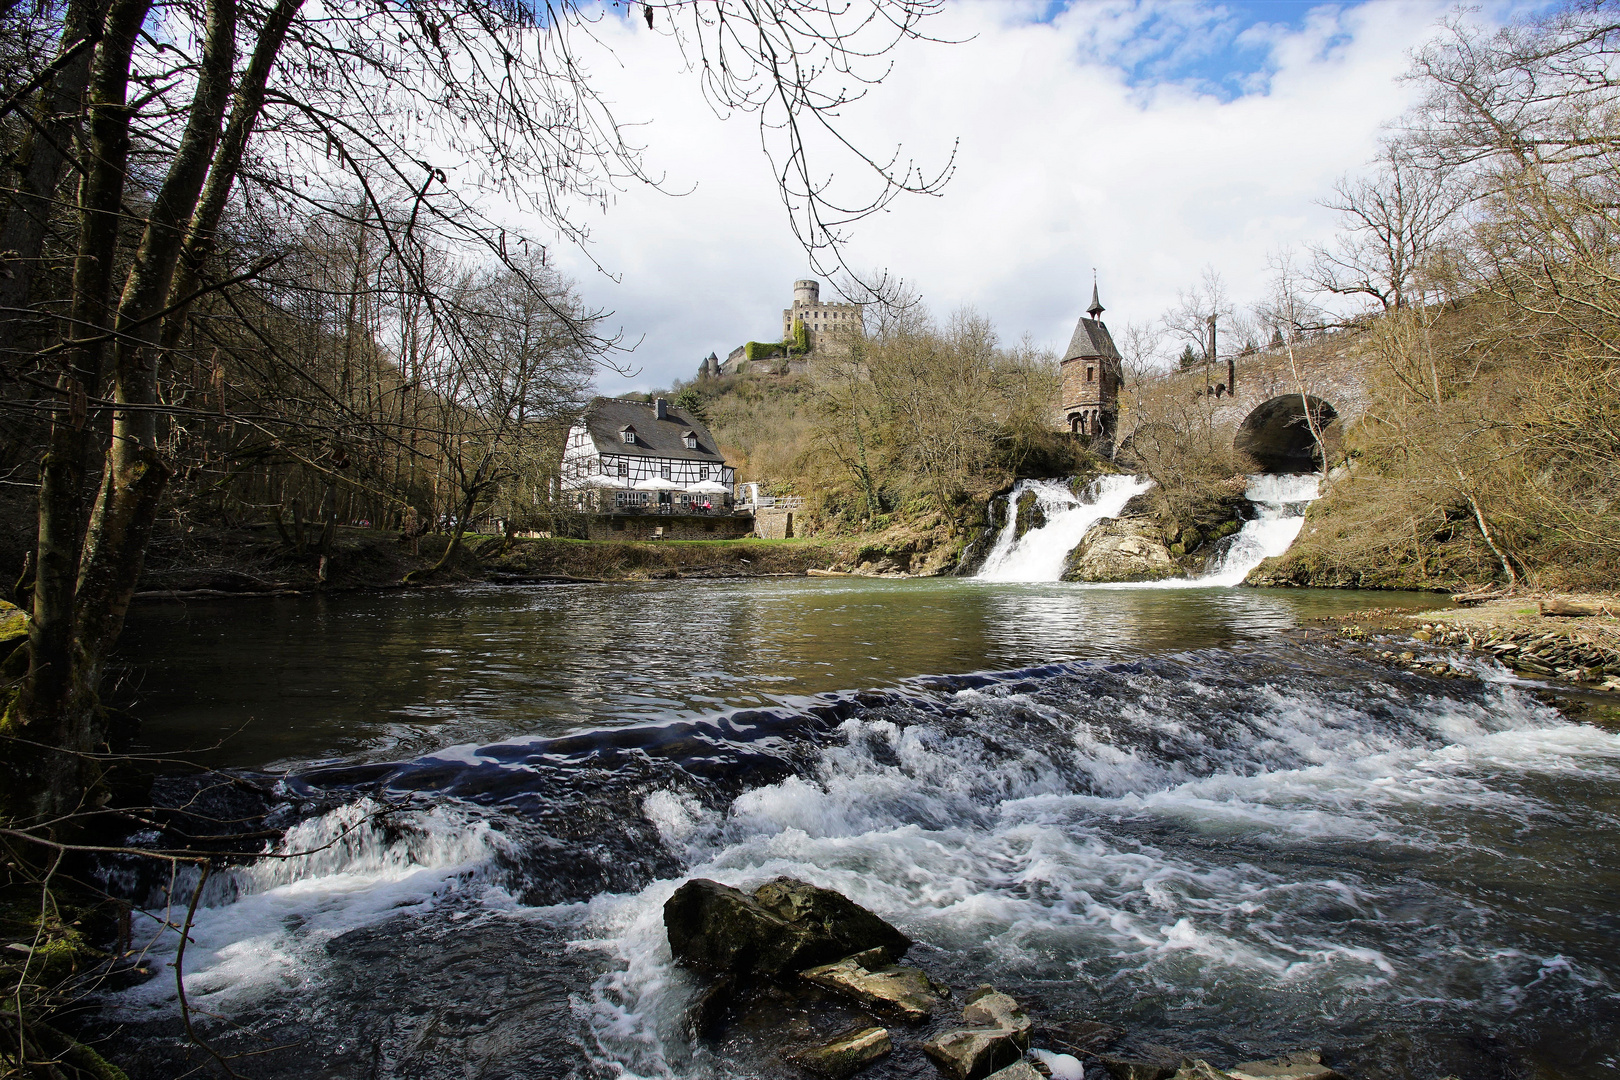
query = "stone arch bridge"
{"x": 1267, "y": 414}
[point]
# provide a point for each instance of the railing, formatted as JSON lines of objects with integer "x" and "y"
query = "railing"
{"x": 675, "y": 508}
{"x": 779, "y": 502}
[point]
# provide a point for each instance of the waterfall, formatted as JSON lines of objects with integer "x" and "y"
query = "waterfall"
{"x": 1039, "y": 554}
{"x": 1281, "y": 501}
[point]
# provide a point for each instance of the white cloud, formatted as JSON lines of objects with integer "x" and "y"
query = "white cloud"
{"x": 1078, "y": 149}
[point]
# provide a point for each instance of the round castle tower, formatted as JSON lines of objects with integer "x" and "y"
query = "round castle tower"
{"x": 807, "y": 292}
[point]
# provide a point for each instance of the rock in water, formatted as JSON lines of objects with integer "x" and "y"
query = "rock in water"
{"x": 1021, "y": 1071}
{"x": 905, "y": 990}
{"x": 972, "y": 1053}
{"x": 832, "y": 915}
{"x": 999, "y": 1038}
{"x": 784, "y": 926}
{"x": 1299, "y": 1065}
{"x": 1121, "y": 549}
{"x": 844, "y": 1054}
{"x": 718, "y": 928}
{"x": 1120, "y": 1068}
{"x": 991, "y": 1008}
{"x": 1200, "y": 1070}
{"x": 1077, "y": 1036}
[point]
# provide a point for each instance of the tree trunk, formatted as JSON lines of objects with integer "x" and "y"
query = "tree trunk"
{"x": 467, "y": 503}
{"x": 54, "y": 707}
{"x": 245, "y": 111}
{"x": 44, "y": 156}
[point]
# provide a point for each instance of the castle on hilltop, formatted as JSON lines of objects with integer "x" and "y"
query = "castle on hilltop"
{"x": 824, "y": 325}
{"x": 818, "y": 318}
{"x": 1092, "y": 372}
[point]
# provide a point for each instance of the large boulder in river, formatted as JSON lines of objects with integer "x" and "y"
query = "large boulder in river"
{"x": 1122, "y": 549}
{"x": 784, "y": 925}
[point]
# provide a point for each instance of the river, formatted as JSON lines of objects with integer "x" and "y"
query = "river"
{"x": 1152, "y": 807}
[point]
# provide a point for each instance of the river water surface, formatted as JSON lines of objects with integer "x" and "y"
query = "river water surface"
{"x": 1154, "y": 808}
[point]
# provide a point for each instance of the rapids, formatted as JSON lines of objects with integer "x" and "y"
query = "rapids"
{"x": 1223, "y": 839}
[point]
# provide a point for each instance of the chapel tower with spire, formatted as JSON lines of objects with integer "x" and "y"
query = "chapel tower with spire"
{"x": 1091, "y": 376}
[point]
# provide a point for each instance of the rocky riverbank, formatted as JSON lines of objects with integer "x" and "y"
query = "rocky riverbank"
{"x": 1532, "y": 634}
{"x": 1568, "y": 644}
{"x": 812, "y": 983}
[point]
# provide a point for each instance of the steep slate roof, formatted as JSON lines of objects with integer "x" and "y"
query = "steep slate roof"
{"x": 1091, "y": 341}
{"x": 605, "y": 418}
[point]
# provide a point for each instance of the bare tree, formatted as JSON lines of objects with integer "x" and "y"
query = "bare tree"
{"x": 1390, "y": 225}
{"x": 1195, "y": 319}
{"x": 511, "y": 372}
{"x": 1290, "y": 313}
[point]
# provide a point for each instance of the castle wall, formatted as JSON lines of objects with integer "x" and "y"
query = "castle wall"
{"x": 819, "y": 318}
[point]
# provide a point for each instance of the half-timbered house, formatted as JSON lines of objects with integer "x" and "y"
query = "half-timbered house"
{"x": 635, "y": 455}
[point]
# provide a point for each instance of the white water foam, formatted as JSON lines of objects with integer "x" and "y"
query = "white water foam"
{"x": 1281, "y": 502}
{"x": 1039, "y": 554}
{"x": 262, "y": 927}
{"x": 1009, "y": 862}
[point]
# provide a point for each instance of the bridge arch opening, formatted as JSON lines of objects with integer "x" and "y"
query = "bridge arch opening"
{"x": 1277, "y": 435}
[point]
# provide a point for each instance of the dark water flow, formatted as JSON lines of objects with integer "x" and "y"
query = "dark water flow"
{"x": 291, "y": 680}
{"x": 1155, "y": 812}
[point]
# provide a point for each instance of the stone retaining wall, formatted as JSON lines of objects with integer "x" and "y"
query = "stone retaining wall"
{"x": 668, "y": 526}
{"x": 773, "y": 524}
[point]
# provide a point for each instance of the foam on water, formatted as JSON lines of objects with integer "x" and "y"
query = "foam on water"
{"x": 1018, "y": 859}
{"x": 1280, "y": 502}
{"x": 261, "y": 927}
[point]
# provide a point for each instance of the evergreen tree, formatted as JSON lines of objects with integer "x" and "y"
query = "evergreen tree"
{"x": 690, "y": 402}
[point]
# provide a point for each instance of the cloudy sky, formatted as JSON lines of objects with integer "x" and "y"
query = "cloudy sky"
{"x": 1146, "y": 139}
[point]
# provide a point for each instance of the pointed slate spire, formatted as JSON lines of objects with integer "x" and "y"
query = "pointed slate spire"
{"x": 1096, "y": 309}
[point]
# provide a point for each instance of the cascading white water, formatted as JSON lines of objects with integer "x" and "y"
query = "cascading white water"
{"x": 1281, "y": 501}
{"x": 1039, "y": 554}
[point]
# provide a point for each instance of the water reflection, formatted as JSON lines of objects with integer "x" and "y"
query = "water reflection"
{"x": 291, "y": 679}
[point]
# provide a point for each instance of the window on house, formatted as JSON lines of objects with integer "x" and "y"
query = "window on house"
{"x": 629, "y": 436}
{"x": 663, "y": 471}
{"x": 624, "y": 468}
{"x": 703, "y": 472}
{"x": 1090, "y": 372}
{"x": 691, "y": 441}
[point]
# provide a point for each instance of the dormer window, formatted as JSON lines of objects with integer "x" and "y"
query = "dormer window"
{"x": 628, "y": 433}
{"x": 690, "y": 439}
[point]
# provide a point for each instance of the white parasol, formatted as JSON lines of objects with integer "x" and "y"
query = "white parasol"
{"x": 657, "y": 483}
{"x": 709, "y": 487}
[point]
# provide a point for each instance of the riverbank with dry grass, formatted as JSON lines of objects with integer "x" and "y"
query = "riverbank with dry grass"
{"x": 200, "y": 564}
{"x": 257, "y": 561}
